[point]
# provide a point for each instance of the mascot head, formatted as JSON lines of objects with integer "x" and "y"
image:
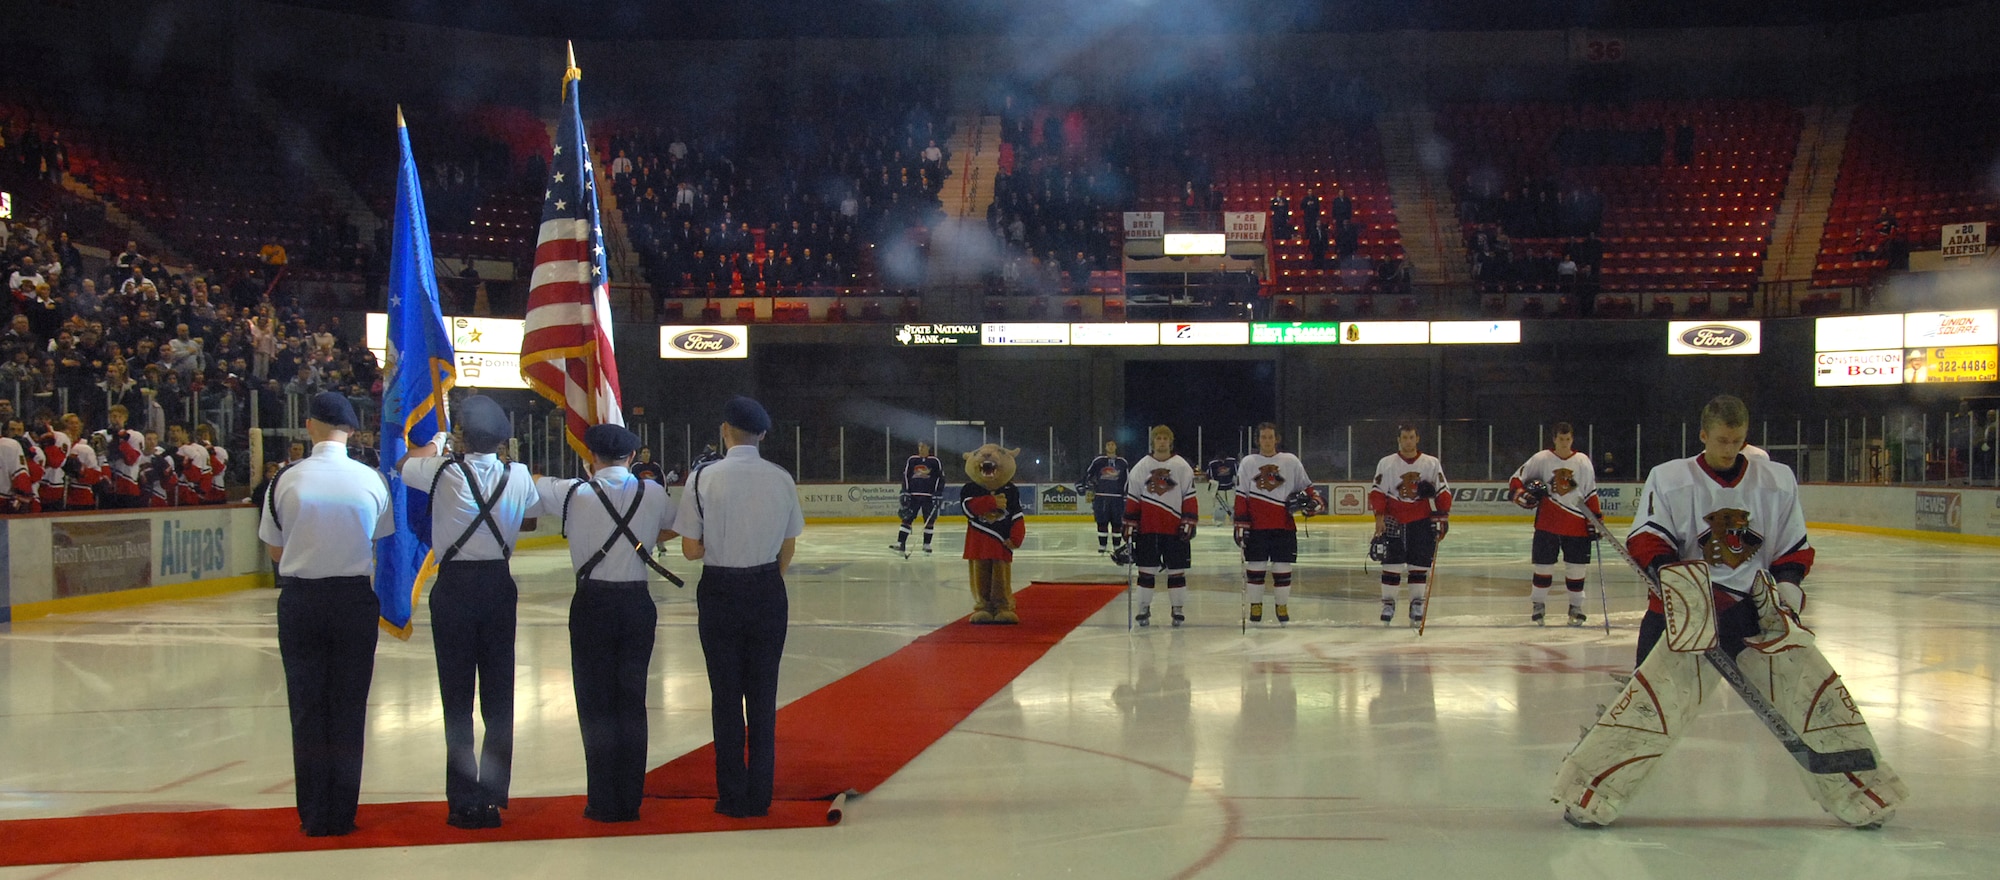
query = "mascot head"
{"x": 991, "y": 466}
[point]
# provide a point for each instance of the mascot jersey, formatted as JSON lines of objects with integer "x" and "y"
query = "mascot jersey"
{"x": 1572, "y": 486}
{"x": 1265, "y": 484}
{"x": 1741, "y": 522}
{"x": 993, "y": 521}
{"x": 1395, "y": 492}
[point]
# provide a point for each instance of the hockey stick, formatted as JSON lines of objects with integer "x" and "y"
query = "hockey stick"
{"x": 1429, "y": 583}
{"x": 1603, "y": 598}
{"x": 1849, "y": 761}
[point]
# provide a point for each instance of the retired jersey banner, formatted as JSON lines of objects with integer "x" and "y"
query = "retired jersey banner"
{"x": 1244, "y": 225}
{"x": 1964, "y": 240}
{"x": 1145, "y": 224}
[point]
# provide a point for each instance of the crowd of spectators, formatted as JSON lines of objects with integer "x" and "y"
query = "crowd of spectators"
{"x": 171, "y": 348}
{"x": 1533, "y": 235}
{"x": 788, "y": 206}
{"x": 1054, "y": 195}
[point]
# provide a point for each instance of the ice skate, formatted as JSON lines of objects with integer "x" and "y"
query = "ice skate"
{"x": 1284, "y": 614}
{"x": 1576, "y": 617}
{"x": 927, "y": 548}
{"x": 1388, "y": 611}
{"x": 1539, "y": 614}
{"x": 1416, "y": 612}
{"x": 1179, "y": 618}
{"x": 1143, "y": 618}
{"x": 1257, "y": 613}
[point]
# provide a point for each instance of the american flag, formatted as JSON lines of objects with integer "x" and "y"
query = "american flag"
{"x": 566, "y": 351}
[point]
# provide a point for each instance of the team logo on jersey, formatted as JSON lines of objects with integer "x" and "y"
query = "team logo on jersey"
{"x": 1109, "y": 473}
{"x": 1406, "y": 486}
{"x": 1267, "y": 479}
{"x": 921, "y": 471}
{"x": 1563, "y": 481}
{"x": 1729, "y": 540}
{"x": 1161, "y": 481}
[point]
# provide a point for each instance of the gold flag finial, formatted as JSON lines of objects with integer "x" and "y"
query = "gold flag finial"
{"x": 399, "y": 117}
{"x": 572, "y": 73}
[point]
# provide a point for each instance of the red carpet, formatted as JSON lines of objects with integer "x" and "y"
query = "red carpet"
{"x": 856, "y": 732}
{"x": 849, "y": 735}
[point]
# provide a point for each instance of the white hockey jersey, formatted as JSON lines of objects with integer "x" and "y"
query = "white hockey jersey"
{"x": 1740, "y": 527}
{"x": 1159, "y": 495}
{"x": 1395, "y": 492}
{"x": 1572, "y": 486}
{"x": 1262, "y": 485}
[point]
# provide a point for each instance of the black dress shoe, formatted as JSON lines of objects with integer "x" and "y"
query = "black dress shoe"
{"x": 473, "y": 818}
{"x": 490, "y": 815}
{"x": 596, "y": 815}
{"x": 338, "y": 831}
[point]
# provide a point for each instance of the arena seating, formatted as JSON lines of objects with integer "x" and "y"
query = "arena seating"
{"x": 1667, "y": 225}
{"x": 1924, "y": 156}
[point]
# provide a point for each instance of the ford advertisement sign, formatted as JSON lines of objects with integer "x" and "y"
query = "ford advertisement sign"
{"x": 1713, "y": 337}
{"x": 704, "y": 342}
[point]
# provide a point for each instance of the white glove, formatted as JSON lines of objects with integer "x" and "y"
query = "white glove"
{"x": 440, "y": 440}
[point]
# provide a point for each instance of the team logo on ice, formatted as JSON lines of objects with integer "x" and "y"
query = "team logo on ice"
{"x": 1267, "y": 478}
{"x": 1563, "y": 481}
{"x": 1729, "y": 540}
{"x": 1406, "y": 486}
{"x": 1161, "y": 481}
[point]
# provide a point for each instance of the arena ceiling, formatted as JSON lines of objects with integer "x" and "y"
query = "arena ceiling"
{"x": 780, "y": 19}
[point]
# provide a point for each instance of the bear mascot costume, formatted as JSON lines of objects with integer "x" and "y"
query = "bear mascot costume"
{"x": 994, "y": 531}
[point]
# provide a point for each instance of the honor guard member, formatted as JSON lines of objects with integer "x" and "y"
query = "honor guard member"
{"x": 1160, "y": 514}
{"x": 923, "y": 482}
{"x": 1104, "y": 483}
{"x": 612, "y": 521}
{"x": 1273, "y": 484}
{"x": 477, "y": 502}
{"x": 1221, "y": 474}
{"x": 740, "y": 517}
{"x": 1558, "y": 484}
{"x": 321, "y": 518}
{"x": 1412, "y": 505}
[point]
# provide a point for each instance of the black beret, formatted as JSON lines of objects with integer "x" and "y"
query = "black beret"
{"x": 333, "y": 408}
{"x": 746, "y": 415}
{"x": 484, "y": 422}
{"x": 610, "y": 441}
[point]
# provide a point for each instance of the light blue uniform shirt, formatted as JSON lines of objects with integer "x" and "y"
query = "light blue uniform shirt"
{"x": 741, "y": 509}
{"x": 453, "y": 510}
{"x": 330, "y": 509}
{"x": 589, "y": 526}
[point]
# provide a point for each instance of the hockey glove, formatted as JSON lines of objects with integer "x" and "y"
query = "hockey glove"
{"x": 1378, "y": 549}
{"x": 907, "y": 501}
{"x": 1122, "y": 555}
{"x": 1083, "y": 487}
{"x": 1187, "y": 530}
{"x": 1303, "y": 501}
{"x": 1777, "y": 616}
{"x": 1239, "y": 536}
{"x": 1426, "y": 489}
{"x": 1443, "y": 525}
{"x": 73, "y": 466}
{"x": 1531, "y": 495}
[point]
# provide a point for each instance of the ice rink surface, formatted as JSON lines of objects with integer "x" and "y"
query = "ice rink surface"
{"x": 1332, "y": 746}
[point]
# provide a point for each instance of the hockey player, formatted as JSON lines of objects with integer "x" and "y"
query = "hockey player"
{"x": 1104, "y": 483}
{"x": 124, "y": 452}
{"x": 1723, "y": 537}
{"x": 83, "y": 471}
{"x": 1412, "y": 505}
{"x": 21, "y": 468}
{"x": 1556, "y": 484}
{"x": 1264, "y": 527}
{"x": 1160, "y": 515}
{"x": 923, "y": 482}
{"x": 54, "y": 446}
{"x": 1221, "y": 474}
{"x": 159, "y": 474}
{"x": 194, "y": 480}
{"x": 218, "y": 465}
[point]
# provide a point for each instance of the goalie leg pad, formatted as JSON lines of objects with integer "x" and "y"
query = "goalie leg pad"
{"x": 1804, "y": 688}
{"x": 1690, "y": 607}
{"x": 1616, "y": 755}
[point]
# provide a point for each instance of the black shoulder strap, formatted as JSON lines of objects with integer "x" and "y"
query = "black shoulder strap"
{"x": 621, "y": 530}
{"x": 271, "y": 494}
{"x": 483, "y": 505}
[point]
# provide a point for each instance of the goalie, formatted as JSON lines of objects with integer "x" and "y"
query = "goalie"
{"x": 1722, "y": 535}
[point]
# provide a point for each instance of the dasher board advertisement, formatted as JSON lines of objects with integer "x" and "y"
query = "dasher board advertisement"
{"x": 1834, "y": 369}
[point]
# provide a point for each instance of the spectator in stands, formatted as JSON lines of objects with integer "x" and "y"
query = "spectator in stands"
{"x": 184, "y": 351}
{"x": 1281, "y": 217}
{"x": 1341, "y": 207}
{"x": 25, "y": 273}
